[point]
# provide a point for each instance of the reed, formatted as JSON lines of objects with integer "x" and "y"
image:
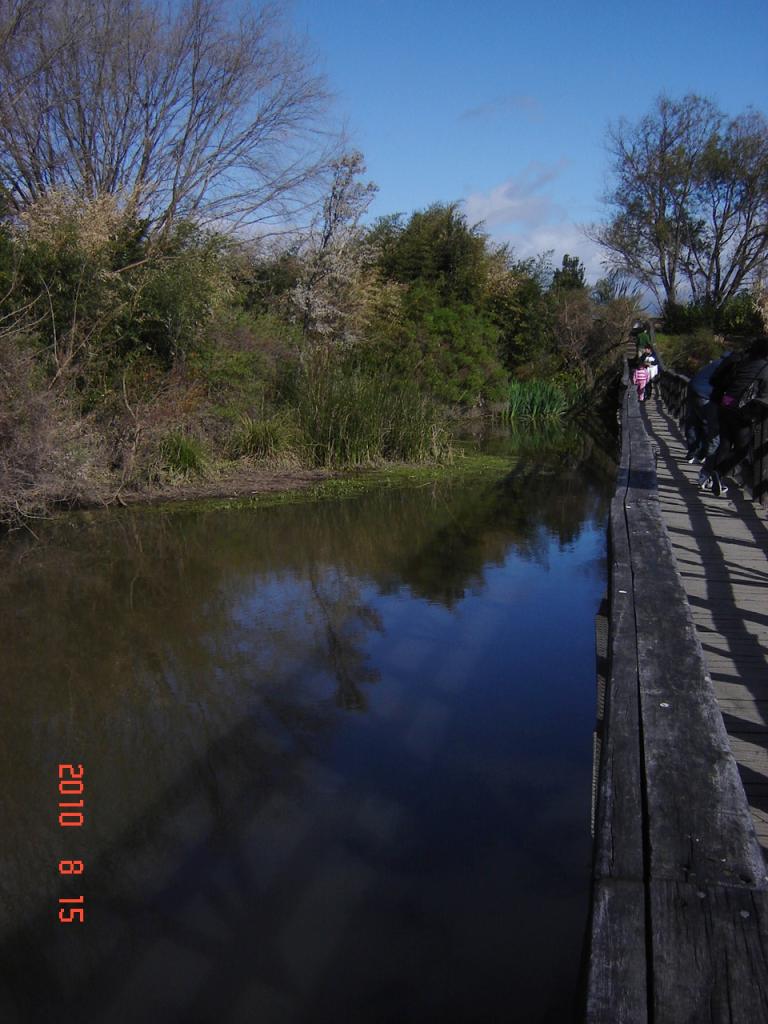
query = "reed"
{"x": 352, "y": 418}
{"x": 539, "y": 400}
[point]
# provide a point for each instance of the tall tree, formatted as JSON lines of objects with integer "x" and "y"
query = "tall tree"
{"x": 572, "y": 274}
{"x": 204, "y": 109}
{"x": 689, "y": 200}
{"x": 729, "y": 223}
{"x": 438, "y": 246}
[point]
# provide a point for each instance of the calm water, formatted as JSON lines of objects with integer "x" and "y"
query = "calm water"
{"x": 337, "y": 755}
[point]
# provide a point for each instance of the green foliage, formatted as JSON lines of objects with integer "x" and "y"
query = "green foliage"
{"x": 737, "y": 315}
{"x": 177, "y": 290}
{"x": 450, "y": 350}
{"x": 266, "y": 281}
{"x": 572, "y": 274}
{"x": 351, "y": 418}
{"x": 524, "y": 312}
{"x": 687, "y": 353}
{"x": 182, "y": 455}
{"x": 95, "y": 291}
{"x": 436, "y": 247}
{"x": 541, "y": 399}
{"x": 267, "y": 437}
{"x": 233, "y": 378}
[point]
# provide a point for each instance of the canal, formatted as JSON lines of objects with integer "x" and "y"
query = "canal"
{"x": 336, "y": 754}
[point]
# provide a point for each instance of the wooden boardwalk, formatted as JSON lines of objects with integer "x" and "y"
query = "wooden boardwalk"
{"x": 721, "y": 549}
{"x": 679, "y": 922}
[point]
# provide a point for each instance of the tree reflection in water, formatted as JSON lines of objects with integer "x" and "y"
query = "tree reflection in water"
{"x": 199, "y": 663}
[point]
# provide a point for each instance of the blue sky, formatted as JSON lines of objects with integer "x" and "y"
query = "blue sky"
{"x": 504, "y": 106}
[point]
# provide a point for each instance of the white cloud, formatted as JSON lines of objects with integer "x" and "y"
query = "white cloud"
{"x": 561, "y": 238}
{"x": 521, "y": 212}
{"x": 517, "y": 200}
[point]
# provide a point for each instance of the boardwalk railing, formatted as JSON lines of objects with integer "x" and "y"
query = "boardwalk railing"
{"x": 679, "y": 926}
{"x": 754, "y": 468}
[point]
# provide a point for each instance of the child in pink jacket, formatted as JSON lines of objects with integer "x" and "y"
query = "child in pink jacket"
{"x": 640, "y": 377}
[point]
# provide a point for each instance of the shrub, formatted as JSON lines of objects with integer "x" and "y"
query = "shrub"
{"x": 182, "y": 455}
{"x": 452, "y": 351}
{"x": 687, "y": 353}
{"x": 273, "y": 438}
{"x": 48, "y": 454}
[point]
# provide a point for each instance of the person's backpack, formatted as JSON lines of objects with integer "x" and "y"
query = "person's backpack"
{"x": 742, "y": 398}
{"x": 722, "y": 378}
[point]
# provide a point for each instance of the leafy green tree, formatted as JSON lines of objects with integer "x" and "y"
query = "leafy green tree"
{"x": 520, "y": 304}
{"x": 452, "y": 351}
{"x": 572, "y": 274}
{"x": 437, "y": 246}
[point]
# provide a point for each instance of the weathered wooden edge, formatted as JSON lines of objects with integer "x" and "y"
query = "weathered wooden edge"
{"x": 616, "y": 981}
{"x": 618, "y": 850}
{"x": 616, "y": 986}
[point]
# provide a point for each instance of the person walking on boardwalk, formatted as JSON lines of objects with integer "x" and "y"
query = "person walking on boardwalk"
{"x": 701, "y": 420}
{"x": 648, "y": 356}
{"x": 737, "y": 385}
{"x": 640, "y": 378}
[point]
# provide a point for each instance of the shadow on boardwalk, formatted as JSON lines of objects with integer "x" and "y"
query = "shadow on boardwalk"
{"x": 720, "y": 545}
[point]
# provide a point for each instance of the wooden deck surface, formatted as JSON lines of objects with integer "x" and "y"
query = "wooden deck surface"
{"x": 721, "y": 549}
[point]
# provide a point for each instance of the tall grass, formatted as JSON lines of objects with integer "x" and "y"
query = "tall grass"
{"x": 182, "y": 455}
{"x": 540, "y": 400}
{"x": 353, "y": 418}
{"x": 270, "y": 437}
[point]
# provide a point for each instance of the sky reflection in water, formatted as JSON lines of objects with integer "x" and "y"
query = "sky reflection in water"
{"x": 338, "y": 755}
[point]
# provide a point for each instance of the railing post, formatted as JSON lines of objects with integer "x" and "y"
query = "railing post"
{"x": 760, "y": 458}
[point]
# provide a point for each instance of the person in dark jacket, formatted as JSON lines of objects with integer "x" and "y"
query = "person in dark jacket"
{"x": 731, "y": 384}
{"x": 701, "y": 421}
{"x": 650, "y": 361}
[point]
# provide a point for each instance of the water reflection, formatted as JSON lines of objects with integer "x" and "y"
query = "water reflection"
{"x": 337, "y": 754}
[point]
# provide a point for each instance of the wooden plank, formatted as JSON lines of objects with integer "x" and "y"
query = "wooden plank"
{"x": 712, "y": 836}
{"x": 734, "y": 688}
{"x": 709, "y": 954}
{"x": 700, "y": 864}
{"x": 616, "y": 972}
{"x": 752, "y": 714}
{"x": 618, "y": 830}
{"x": 743, "y": 593}
{"x": 750, "y": 752}
{"x": 617, "y": 983}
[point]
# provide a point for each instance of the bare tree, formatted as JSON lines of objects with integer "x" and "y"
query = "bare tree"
{"x": 689, "y": 202}
{"x": 333, "y": 256}
{"x": 654, "y": 165}
{"x": 204, "y": 109}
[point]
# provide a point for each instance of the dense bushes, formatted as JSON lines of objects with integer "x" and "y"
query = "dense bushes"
{"x": 48, "y": 453}
{"x": 694, "y": 335}
{"x": 136, "y": 361}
